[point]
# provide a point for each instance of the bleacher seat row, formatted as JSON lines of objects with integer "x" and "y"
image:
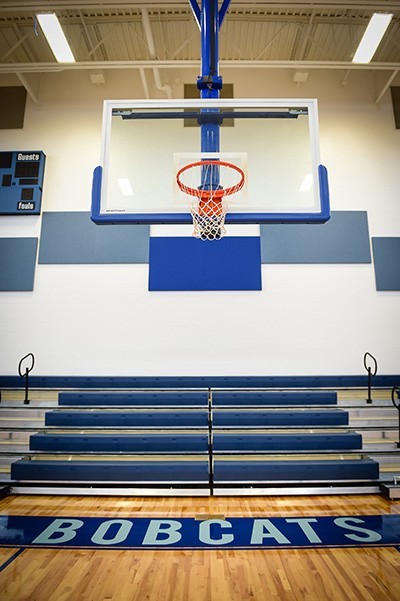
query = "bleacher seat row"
{"x": 193, "y": 438}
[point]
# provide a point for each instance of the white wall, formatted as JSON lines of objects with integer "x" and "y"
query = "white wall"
{"x": 308, "y": 319}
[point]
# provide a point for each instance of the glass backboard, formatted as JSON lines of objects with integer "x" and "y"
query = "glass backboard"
{"x": 275, "y": 143}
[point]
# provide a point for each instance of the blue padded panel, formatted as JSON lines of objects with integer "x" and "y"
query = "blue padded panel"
{"x": 155, "y": 443}
{"x": 342, "y": 239}
{"x": 286, "y": 442}
{"x": 119, "y": 419}
{"x": 183, "y": 263}
{"x": 280, "y": 418}
{"x": 113, "y": 471}
{"x": 274, "y": 398}
{"x": 17, "y": 263}
{"x": 72, "y": 238}
{"x": 321, "y": 470}
{"x": 90, "y": 382}
{"x": 387, "y": 263}
{"x": 135, "y": 399}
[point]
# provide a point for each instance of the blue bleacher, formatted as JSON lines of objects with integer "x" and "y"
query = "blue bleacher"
{"x": 180, "y": 420}
{"x": 298, "y": 470}
{"x": 152, "y": 399}
{"x": 132, "y": 419}
{"x": 317, "y": 397}
{"x": 154, "y": 443}
{"x": 334, "y": 417}
{"x": 168, "y": 472}
{"x": 286, "y": 442}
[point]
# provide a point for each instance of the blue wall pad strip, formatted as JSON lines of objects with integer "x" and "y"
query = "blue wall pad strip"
{"x": 113, "y": 471}
{"x": 317, "y": 470}
{"x": 155, "y": 443}
{"x": 342, "y": 239}
{"x": 274, "y": 398}
{"x": 17, "y": 263}
{"x": 279, "y": 418}
{"x": 286, "y": 442}
{"x": 184, "y": 263}
{"x": 191, "y": 533}
{"x": 148, "y": 419}
{"x": 387, "y": 263}
{"x": 72, "y": 238}
{"x": 135, "y": 399}
{"x": 179, "y": 382}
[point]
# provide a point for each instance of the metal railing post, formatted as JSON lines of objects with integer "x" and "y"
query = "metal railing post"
{"x": 397, "y": 405}
{"x": 210, "y": 445}
{"x": 371, "y": 374}
{"x": 25, "y": 375}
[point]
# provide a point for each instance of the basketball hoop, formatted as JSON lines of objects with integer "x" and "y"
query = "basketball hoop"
{"x": 215, "y": 180}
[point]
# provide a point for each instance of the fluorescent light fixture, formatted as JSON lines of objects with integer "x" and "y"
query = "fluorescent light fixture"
{"x": 372, "y": 37}
{"x": 125, "y": 186}
{"x": 55, "y": 36}
{"x": 307, "y": 183}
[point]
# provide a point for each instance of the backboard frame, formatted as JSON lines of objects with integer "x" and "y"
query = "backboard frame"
{"x": 100, "y": 215}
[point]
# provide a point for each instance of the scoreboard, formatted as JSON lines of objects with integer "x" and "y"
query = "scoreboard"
{"x": 21, "y": 182}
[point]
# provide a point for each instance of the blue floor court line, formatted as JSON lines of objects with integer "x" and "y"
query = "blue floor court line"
{"x": 11, "y": 559}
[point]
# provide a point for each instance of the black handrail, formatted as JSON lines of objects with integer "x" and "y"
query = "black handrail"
{"x": 371, "y": 373}
{"x": 210, "y": 445}
{"x": 397, "y": 405}
{"x": 26, "y": 374}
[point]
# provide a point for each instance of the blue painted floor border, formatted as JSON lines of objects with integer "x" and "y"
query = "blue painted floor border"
{"x": 190, "y": 533}
{"x": 4, "y": 565}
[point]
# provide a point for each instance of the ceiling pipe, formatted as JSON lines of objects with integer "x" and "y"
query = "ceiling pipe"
{"x": 152, "y": 51}
{"x": 144, "y": 83}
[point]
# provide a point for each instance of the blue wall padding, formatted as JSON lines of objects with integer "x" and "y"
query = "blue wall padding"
{"x": 279, "y": 418}
{"x": 155, "y": 443}
{"x": 274, "y": 398}
{"x": 17, "y": 263}
{"x": 342, "y": 239}
{"x": 387, "y": 263}
{"x": 113, "y": 471}
{"x": 321, "y": 470}
{"x": 72, "y": 238}
{"x": 132, "y": 419}
{"x": 115, "y": 382}
{"x": 185, "y": 263}
{"x": 286, "y": 442}
{"x": 135, "y": 399}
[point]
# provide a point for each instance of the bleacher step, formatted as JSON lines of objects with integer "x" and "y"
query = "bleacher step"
{"x": 231, "y": 471}
{"x": 188, "y": 472}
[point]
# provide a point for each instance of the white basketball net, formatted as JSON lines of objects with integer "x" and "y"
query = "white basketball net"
{"x": 209, "y": 218}
{"x": 209, "y": 183}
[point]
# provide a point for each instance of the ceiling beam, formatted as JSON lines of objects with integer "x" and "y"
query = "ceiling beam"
{"x": 386, "y": 86}
{"x": 127, "y": 4}
{"x": 184, "y": 64}
{"x": 33, "y": 94}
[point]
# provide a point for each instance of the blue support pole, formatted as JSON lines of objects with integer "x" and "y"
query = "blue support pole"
{"x": 210, "y": 84}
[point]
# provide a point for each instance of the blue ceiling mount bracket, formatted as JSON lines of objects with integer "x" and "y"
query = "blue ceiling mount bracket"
{"x": 209, "y": 82}
{"x": 223, "y": 10}
{"x": 221, "y": 14}
{"x": 196, "y": 11}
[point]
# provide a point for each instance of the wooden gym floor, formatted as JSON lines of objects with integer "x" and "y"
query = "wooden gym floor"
{"x": 348, "y": 574}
